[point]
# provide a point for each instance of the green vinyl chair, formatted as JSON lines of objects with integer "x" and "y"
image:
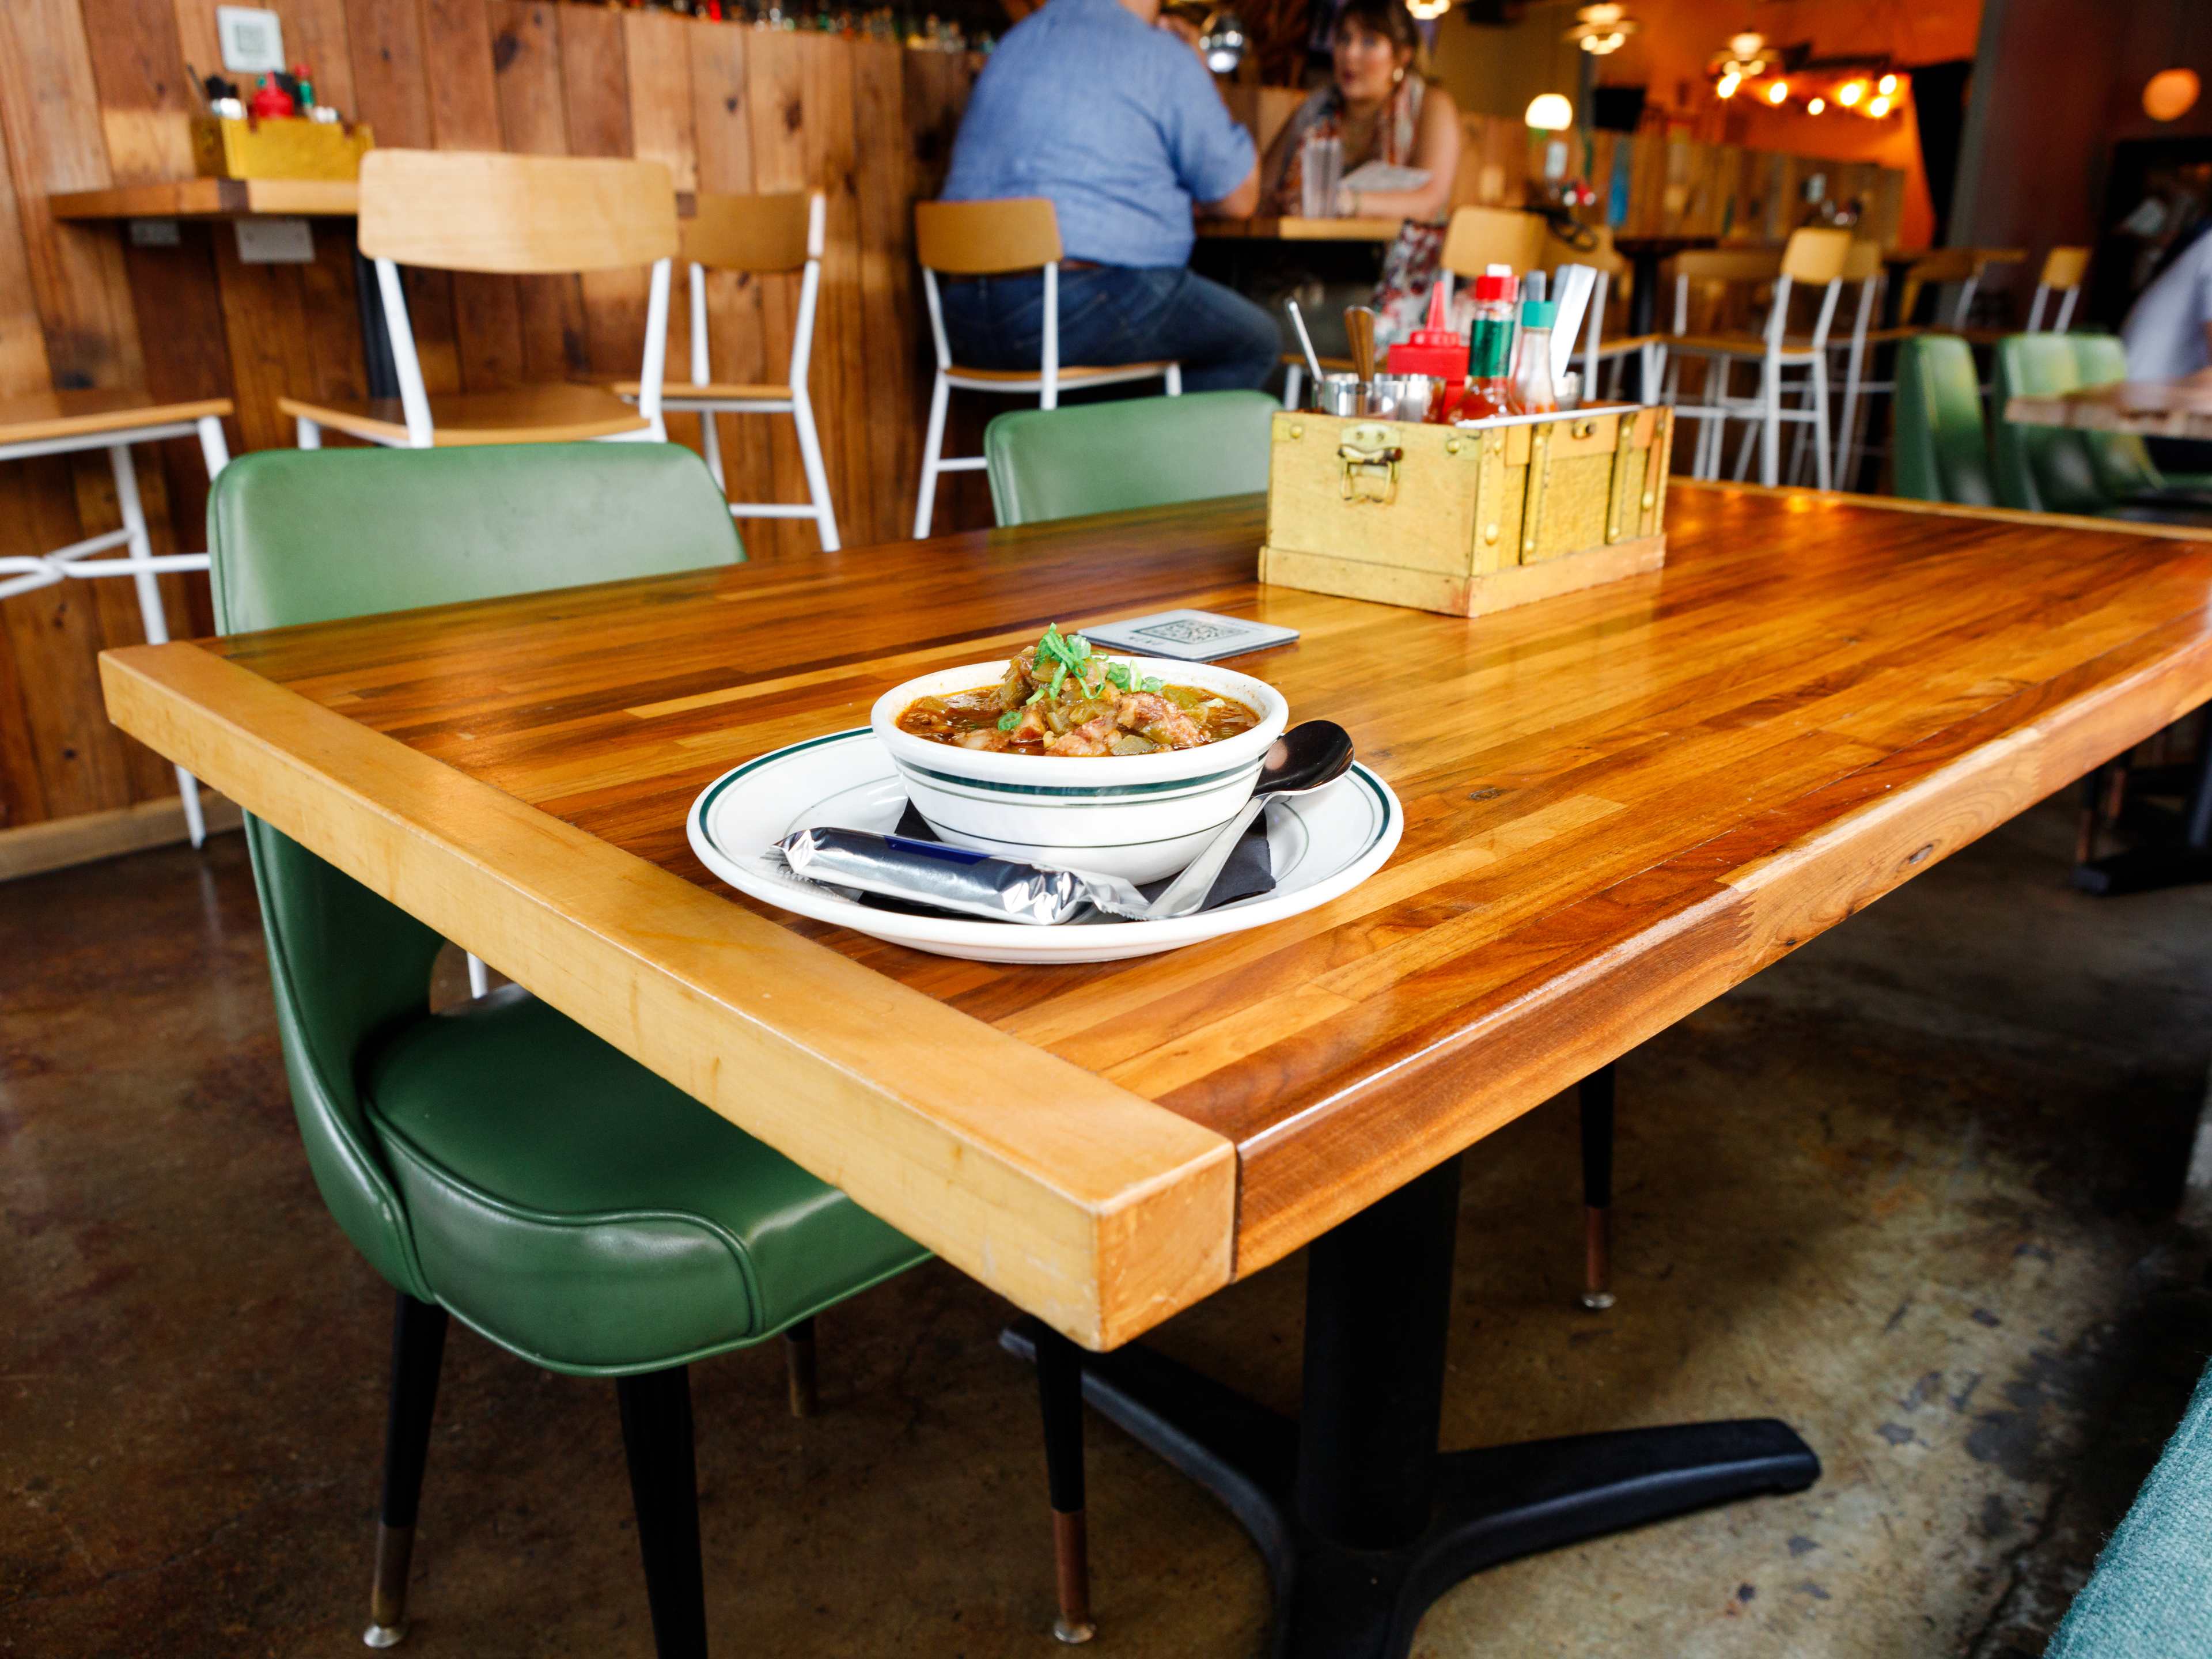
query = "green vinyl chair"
{"x": 499, "y": 1162}
{"x": 2122, "y": 459}
{"x": 1941, "y": 453}
{"x": 2042, "y": 469}
{"x": 1136, "y": 452}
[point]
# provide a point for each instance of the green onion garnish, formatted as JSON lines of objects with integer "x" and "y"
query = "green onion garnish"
{"x": 1010, "y": 719}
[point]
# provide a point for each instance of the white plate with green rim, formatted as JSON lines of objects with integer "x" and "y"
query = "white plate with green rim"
{"x": 1323, "y": 845}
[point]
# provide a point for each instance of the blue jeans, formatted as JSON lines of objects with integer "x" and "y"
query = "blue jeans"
{"x": 1113, "y": 314}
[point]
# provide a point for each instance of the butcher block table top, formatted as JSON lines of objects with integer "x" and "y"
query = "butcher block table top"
{"x": 1619, "y": 804}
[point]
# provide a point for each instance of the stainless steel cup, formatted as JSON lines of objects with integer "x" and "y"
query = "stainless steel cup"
{"x": 1401, "y": 397}
{"x": 1340, "y": 394}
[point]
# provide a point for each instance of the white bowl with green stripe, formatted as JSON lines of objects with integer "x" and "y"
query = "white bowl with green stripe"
{"x": 1140, "y": 817}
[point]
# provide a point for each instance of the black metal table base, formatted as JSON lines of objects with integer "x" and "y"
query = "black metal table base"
{"x": 1491, "y": 1505}
{"x": 1363, "y": 1522}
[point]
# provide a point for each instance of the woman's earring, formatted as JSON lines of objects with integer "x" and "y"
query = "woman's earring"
{"x": 1397, "y": 76}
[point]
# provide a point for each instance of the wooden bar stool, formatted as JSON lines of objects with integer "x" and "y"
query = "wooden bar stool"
{"x": 759, "y": 235}
{"x": 510, "y": 215}
{"x": 63, "y": 422}
{"x": 998, "y": 238}
{"x": 1812, "y": 259}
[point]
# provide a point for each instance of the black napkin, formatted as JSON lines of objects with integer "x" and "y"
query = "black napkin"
{"x": 1251, "y": 870}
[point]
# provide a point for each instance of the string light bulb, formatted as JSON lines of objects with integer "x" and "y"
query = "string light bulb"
{"x": 1778, "y": 93}
{"x": 1879, "y": 108}
{"x": 1816, "y": 107}
{"x": 1726, "y": 86}
{"x": 1849, "y": 93}
{"x": 1886, "y": 86}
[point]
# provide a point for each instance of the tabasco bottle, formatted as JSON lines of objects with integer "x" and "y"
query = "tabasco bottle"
{"x": 1490, "y": 366}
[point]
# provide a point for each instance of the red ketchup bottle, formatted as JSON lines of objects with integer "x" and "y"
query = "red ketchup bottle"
{"x": 1435, "y": 351}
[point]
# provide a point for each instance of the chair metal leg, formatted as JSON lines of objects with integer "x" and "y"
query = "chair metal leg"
{"x": 932, "y": 447}
{"x": 710, "y": 446}
{"x": 1060, "y": 1392}
{"x": 1294, "y": 382}
{"x": 1174, "y": 379}
{"x": 1770, "y": 428}
{"x": 418, "y": 1346}
{"x": 310, "y": 436}
{"x": 1824, "y": 473}
{"x": 817, "y": 479}
{"x": 479, "y": 977}
{"x": 1595, "y": 1097}
{"x": 139, "y": 548}
{"x": 656, "y": 1421}
{"x": 799, "y": 1368}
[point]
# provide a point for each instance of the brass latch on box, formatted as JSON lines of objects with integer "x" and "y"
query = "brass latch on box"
{"x": 1370, "y": 461}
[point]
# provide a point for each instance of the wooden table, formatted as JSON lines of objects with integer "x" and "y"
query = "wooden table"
{"x": 1292, "y": 228}
{"x": 1619, "y": 804}
{"x": 2155, "y": 409}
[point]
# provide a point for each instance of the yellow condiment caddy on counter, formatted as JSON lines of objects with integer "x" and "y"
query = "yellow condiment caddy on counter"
{"x": 1467, "y": 520}
{"x": 246, "y": 147}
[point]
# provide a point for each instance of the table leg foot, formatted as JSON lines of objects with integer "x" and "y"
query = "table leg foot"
{"x": 1335, "y": 1601}
{"x": 2143, "y": 870}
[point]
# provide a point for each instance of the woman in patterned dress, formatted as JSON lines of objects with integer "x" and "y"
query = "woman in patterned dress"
{"x": 1383, "y": 110}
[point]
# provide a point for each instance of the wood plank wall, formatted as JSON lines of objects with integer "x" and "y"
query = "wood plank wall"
{"x": 94, "y": 92}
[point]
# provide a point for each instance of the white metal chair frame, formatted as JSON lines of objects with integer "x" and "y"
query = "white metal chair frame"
{"x": 2067, "y": 297}
{"x": 415, "y": 397}
{"x": 1045, "y": 383}
{"x": 20, "y": 575}
{"x": 1857, "y": 387}
{"x": 1766, "y": 410}
{"x": 800, "y": 405}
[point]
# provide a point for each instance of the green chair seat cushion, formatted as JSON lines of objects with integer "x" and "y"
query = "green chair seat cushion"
{"x": 576, "y": 1208}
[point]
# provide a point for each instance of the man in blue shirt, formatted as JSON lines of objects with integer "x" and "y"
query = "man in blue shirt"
{"x": 1114, "y": 119}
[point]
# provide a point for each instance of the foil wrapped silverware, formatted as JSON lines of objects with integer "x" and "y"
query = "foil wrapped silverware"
{"x": 954, "y": 877}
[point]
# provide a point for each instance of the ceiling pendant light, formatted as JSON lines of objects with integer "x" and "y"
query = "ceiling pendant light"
{"x": 1601, "y": 30}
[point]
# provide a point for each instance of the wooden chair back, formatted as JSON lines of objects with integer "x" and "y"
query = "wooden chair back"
{"x": 762, "y": 235}
{"x": 2064, "y": 267}
{"x": 1482, "y": 236}
{"x": 1863, "y": 262}
{"x": 1816, "y": 257}
{"x": 514, "y": 215}
{"x": 986, "y": 239}
{"x": 1728, "y": 264}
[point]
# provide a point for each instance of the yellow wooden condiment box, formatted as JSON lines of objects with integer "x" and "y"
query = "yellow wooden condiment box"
{"x": 223, "y": 147}
{"x": 1466, "y": 520}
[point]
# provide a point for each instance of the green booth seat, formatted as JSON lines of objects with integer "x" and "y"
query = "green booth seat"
{"x": 499, "y": 1161}
{"x": 1134, "y": 451}
{"x": 2050, "y": 469}
{"x": 1941, "y": 451}
{"x": 2150, "y": 1596}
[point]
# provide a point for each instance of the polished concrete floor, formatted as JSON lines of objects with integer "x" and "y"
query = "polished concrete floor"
{"x": 1912, "y": 1190}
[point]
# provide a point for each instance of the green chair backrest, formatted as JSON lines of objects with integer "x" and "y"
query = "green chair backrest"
{"x": 2122, "y": 461}
{"x": 300, "y": 536}
{"x": 1138, "y": 452}
{"x": 1941, "y": 452}
{"x": 2043, "y": 469}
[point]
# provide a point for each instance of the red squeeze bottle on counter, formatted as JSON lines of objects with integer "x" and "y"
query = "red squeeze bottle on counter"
{"x": 1434, "y": 350}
